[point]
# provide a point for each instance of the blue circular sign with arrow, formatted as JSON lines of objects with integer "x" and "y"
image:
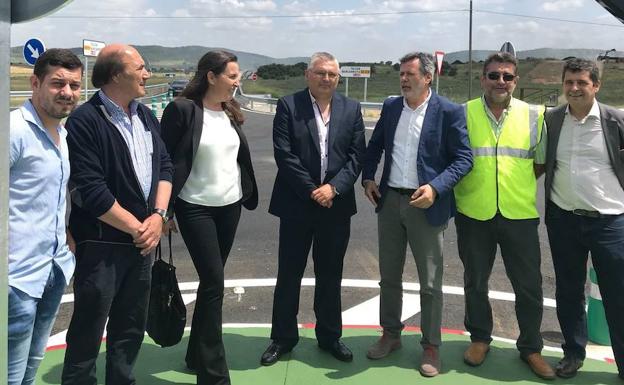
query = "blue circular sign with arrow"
{"x": 32, "y": 49}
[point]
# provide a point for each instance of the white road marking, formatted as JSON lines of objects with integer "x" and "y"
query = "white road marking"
{"x": 411, "y": 306}
{"x": 367, "y": 313}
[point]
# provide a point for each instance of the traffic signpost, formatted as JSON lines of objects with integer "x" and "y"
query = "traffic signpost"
{"x": 90, "y": 48}
{"x": 254, "y": 76}
{"x": 355, "y": 72}
{"x": 439, "y": 56}
{"x": 32, "y": 49}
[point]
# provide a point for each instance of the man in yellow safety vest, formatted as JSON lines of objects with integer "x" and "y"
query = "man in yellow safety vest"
{"x": 496, "y": 206}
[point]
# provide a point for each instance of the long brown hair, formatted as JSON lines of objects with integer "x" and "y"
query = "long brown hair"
{"x": 215, "y": 61}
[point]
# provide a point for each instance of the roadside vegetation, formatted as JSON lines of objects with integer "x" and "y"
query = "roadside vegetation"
{"x": 540, "y": 82}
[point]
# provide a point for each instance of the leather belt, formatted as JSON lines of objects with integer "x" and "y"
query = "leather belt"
{"x": 403, "y": 191}
{"x": 588, "y": 213}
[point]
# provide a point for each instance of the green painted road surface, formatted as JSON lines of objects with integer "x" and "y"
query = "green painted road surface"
{"x": 308, "y": 365}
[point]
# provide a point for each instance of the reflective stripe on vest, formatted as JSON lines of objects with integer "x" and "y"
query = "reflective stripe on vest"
{"x": 502, "y": 178}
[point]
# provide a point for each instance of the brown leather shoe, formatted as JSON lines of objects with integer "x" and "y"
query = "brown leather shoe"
{"x": 384, "y": 346}
{"x": 476, "y": 352}
{"x": 430, "y": 363}
{"x": 539, "y": 366}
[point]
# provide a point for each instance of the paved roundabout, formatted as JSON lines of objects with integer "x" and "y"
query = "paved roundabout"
{"x": 250, "y": 273}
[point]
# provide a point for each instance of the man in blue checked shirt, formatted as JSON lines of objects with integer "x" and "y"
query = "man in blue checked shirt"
{"x": 120, "y": 187}
{"x": 41, "y": 260}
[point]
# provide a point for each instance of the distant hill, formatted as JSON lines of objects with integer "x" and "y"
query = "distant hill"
{"x": 160, "y": 57}
{"x": 184, "y": 57}
{"x": 540, "y": 53}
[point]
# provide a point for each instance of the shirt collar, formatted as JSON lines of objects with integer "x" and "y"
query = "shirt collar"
{"x": 594, "y": 111}
{"x": 112, "y": 107}
{"x": 405, "y": 105}
{"x": 313, "y": 99}
{"x": 30, "y": 115}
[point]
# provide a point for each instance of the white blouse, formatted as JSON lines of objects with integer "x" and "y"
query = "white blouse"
{"x": 215, "y": 178}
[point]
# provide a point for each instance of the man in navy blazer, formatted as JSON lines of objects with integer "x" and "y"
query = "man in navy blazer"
{"x": 425, "y": 142}
{"x": 318, "y": 139}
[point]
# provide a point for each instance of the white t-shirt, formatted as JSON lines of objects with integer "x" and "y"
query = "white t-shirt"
{"x": 215, "y": 178}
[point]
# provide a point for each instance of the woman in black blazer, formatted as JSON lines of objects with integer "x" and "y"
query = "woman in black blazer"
{"x": 213, "y": 177}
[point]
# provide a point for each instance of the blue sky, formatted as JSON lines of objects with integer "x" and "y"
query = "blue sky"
{"x": 362, "y": 30}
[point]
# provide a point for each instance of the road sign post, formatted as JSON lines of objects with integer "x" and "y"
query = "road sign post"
{"x": 355, "y": 72}
{"x": 439, "y": 56}
{"x": 90, "y": 48}
{"x": 32, "y": 49}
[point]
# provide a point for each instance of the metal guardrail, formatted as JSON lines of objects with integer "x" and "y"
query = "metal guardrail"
{"x": 152, "y": 90}
{"x": 265, "y": 103}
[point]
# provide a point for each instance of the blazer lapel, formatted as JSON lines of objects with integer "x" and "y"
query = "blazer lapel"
{"x": 198, "y": 124}
{"x": 430, "y": 115}
{"x": 337, "y": 108}
{"x": 554, "y": 129}
{"x": 396, "y": 108}
{"x": 611, "y": 134}
{"x": 307, "y": 113}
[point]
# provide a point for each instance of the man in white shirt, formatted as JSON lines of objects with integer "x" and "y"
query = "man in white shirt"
{"x": 585, "y": 209}
{"x": 424, "y": 138}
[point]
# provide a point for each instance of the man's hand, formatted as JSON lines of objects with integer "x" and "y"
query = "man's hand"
{"x": 148, "y": 234}
{"x": 323, "y": 195}
{"x": 423, "y": 197}
{"x": 70, "y": 242}
{"x": 170, "y": 227}
{"x": 371, "y": 190}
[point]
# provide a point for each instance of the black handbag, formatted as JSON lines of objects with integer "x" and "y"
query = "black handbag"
{"x": 166, "y": 317}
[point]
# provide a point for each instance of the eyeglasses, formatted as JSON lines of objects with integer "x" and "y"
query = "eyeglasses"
{"x": 507, "y": 77}
{"x": 322, "y": 74}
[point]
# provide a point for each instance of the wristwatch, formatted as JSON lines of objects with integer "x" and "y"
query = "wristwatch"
{"x": 162, "y": 213}
{"x": 336, "y": 193}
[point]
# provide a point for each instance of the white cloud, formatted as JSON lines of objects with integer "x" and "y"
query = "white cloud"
{"x": 561, "y": 5}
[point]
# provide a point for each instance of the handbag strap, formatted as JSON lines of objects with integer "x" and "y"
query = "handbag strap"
{"x": 158, "y": 251}
{"x": 170, "y": 249}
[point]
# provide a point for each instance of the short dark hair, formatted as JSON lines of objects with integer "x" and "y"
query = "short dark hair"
{"x": 106, "y": 67}
{"x": 501, "y": 57}
{"x": 578, "y": 65}
{"x": 55, "y": 57}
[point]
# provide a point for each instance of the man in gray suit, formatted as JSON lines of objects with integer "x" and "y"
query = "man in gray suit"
{"x": 585, "y": 209}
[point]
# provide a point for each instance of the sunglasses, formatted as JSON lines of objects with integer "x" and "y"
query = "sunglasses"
{"x": 496, "y": 75}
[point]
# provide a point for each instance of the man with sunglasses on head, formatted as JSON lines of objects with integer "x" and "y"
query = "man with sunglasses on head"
{"x": 496, "y": 206}
{"x": 318, "y": 142}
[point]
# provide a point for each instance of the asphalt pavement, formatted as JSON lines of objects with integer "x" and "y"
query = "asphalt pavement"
{"x": 254, "y": 256}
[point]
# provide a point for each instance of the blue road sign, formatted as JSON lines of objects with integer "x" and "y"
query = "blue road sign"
{"x": 32, "y": 49}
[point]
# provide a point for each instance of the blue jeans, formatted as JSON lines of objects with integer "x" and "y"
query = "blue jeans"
{"x": 571, "y": 238}
{"x": 30, "y": 322}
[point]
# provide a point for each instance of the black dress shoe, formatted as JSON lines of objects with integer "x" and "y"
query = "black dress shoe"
{"x": 273, "y": 353}
{"x": 339, "y": 350}
{"x": 568, "y": 366}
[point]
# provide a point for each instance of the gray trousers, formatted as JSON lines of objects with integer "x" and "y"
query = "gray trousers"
{"x": 398, "y": 224}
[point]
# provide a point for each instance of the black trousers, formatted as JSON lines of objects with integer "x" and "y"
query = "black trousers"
{"x": 572, "y": 237}
{"x": 208, "y": 233}
{"x": 111, "y": 281}
{"x": 328, "y": 238}
{"x": 519, "y": 244}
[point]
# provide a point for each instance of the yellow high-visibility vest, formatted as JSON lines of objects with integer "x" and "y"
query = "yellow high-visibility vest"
{"x": 502, "y": 177}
